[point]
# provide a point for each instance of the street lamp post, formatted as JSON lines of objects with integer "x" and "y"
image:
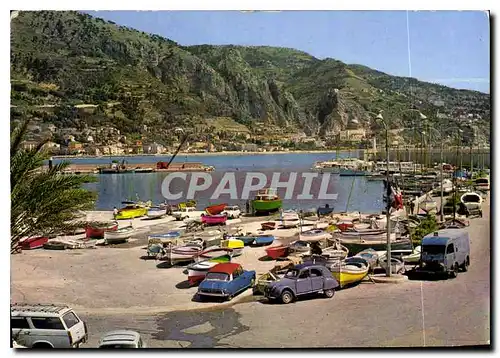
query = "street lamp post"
{"x": 459, "y": 141}
{"x": 388, "y": 195}
{"x": 441, "y": 216}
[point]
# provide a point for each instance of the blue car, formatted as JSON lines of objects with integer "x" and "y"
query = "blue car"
{"x": 226, "y": 280}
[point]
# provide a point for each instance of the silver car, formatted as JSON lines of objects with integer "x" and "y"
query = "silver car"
{"x": 121, "y": 339}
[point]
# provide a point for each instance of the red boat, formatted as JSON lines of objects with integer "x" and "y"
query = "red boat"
{"x": 213, "y": 219}
{"x": 277, "y": 251}
{"x": 344, "y": 225}
{"x": 34, "y": 242}
{"x": 215, "y": 209}
{"x": 97, "y": 232}
{"x": 270, "y": 225}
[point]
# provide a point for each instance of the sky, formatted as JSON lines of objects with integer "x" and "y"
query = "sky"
{"x": 447, "y": 47}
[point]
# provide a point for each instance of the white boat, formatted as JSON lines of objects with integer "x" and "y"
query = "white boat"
{"x": 290, "y": 219}
{"x": 184, "y": 253}
{"x": 414, "y": 257}
{"x": 156, "y": 212}
{"x": 118, "y": 236}
{"x": 397, "y": 266}
{"x": 335, "y": 253}
{"x": 428, "y": 204}
{"x": 314, "y": 235}
{"x": 482, "y": 184}
{"x": 471, "y": 198}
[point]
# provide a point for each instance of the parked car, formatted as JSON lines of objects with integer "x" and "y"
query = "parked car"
{"x": 187, "y": 213}
{"x": 226, "y": 280}
{"x": 47, "y": 326}
{"x": 121, "y": 339}
{"x": 232, "y": 212}
{"x": 301, "y": 280}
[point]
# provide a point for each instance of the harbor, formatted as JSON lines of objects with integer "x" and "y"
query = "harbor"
{"x": 92, "y": 277}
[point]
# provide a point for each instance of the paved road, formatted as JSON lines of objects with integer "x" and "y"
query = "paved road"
{"x": 416, "y": 313}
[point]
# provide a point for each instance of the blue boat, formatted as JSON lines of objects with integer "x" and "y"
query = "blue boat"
{"x": 263, "y": 240}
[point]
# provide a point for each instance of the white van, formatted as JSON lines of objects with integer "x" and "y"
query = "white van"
{"x": 46, "y": 326}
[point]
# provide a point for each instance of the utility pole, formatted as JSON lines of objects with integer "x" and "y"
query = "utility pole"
{"x": 388, "y": 195}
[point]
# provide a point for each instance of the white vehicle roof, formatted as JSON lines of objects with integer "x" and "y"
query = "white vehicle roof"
{"x": 40, "y": 309}
{"x": 119, "y": 336}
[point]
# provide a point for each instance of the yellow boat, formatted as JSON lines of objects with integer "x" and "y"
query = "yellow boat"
{"x": 131, "y": 212}
{"x": 234, "y": 244}
{"x": 348, "y": 272}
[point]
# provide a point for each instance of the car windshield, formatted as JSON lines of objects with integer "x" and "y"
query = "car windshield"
{"x": 232, "y": 208}
{"x": 292, "y": 273}
{"x": 217, "y": 276}
{"x": 433, "y": 249}
{"x": 118, "y": 346}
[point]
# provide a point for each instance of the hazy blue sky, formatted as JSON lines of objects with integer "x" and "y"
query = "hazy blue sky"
{"x": 448, "y": 47}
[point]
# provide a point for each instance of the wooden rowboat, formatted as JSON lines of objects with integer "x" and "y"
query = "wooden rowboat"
{"x": 277, "y": 251}
{"x": 215, "y": 209}
{"x": 270, "y": 225}
{"x": 34, "y": 242}
{"x": 213, "y": 219}
{"x": 97, "y": 231}
{"x": 119, "y": 236}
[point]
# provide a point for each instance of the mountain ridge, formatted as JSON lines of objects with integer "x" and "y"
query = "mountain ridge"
{"x": 68, "y": 58}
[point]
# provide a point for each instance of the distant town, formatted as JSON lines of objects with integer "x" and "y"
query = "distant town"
{"x": 108, "y": 140}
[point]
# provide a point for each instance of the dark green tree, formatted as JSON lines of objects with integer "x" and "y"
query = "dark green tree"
{"x": 43, "y": 201}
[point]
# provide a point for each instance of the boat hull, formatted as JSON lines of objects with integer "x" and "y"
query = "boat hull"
{"x": 98, "y": 232}
{"x": 215, "y": 209}
{"x": 125, "y": 214}
{"x": 352, "y": 173}
{"x": 214, "y": 220}
{"x": 118, "y": 236}
{"x": 263, "y": 206}
{"x": 268, "y": 226}
{"x": 345, "y": 277}
{"x": 153, "y": 214}
{"x": 263, "y": 240}
{"x": 358, "y": 246}
{"x": 34, "y": 243}
{"x": 277, "y": 251}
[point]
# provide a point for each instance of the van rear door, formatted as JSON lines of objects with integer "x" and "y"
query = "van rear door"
{"x": 75, "y": 326}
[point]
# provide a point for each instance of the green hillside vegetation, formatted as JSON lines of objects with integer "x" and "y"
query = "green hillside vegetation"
{"x": 146, "y": 85}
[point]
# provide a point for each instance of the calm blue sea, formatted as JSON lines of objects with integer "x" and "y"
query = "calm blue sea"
{"x": 354, "y": 193}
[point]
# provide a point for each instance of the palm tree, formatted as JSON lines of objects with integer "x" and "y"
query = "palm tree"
{"x": 43, "y": 201}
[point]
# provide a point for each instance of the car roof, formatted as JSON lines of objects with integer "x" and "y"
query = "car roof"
{"x": 228, "y": 268}
{"x": 307, "y": 265}
{"x": 120, "y": 335}
{"x": 39, "y": 309}
{"x": 446, "y": 234}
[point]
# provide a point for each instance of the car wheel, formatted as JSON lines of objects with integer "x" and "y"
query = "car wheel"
{"x": 454, "y": 272}
{"x": 465, "y": 266}
{"x": 42, "y": 346}
{"x": 329, "y": 293}
{"x": 286, "y": 297}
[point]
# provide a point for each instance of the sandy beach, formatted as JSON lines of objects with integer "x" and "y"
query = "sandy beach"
{"x": 118, "y": 278}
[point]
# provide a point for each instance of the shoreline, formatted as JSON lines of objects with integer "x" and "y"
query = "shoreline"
{"x": 235, "y": 154}
{"x": 206, "y": 154}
